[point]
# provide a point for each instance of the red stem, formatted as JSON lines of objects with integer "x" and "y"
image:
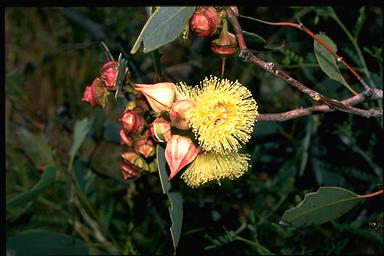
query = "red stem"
{"x": 373, "y": 194}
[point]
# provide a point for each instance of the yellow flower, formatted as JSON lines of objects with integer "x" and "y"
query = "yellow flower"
{"x": 224, "y": 113}
{"x": 211, "y": 166}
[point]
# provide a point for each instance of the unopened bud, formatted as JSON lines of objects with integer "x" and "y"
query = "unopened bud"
{"x": 179, "y": 152}
{"x": 160, "y": 96}
{"x": 160, "y": 130}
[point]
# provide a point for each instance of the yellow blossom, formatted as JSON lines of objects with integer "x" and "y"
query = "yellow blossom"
{"x": 224, "y": 114}
{"x": 211, "y": 166}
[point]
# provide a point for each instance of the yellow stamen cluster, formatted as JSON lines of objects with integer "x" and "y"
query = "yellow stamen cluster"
{"x": 222, "y": 121}
{"x": 212, "y": 166}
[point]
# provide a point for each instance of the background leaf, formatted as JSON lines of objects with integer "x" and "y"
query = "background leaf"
{"x": 46, "y": 179}
{"x": 164, "y": 26}
{"x": 176, "y": 207}
{"x": 41, "y": 242}
{"x": 326, "y": 204}
{"x": 327, "y": 61}
{"x": 41, "y": 153}
{"x": 82, "y": 127}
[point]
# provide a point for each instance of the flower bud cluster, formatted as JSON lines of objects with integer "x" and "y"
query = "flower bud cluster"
{"x": 96, "y": 93}
{"x": 172, "y": 120}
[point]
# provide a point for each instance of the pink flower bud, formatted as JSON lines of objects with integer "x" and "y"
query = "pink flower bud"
{"x": 108, "y": 74}
{"x": 95, "y": 94}
{"x": 88, "y": 96}
{"x": 128, "y": 171}
{"x": 179, "y": 152}
{"x": 160, "y": 96}
{"x": 135, "y": 160}
{"x": 125, "y": 139}
{"x": 145, "y": 147}
{"x": 180, "y": 113}
{"x": 160, "y": 130}
{"x": 132, "y": 121}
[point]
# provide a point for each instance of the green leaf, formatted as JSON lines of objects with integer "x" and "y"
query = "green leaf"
{"x": 46, "y": 179}
{"x": 82, "y": 127}
{"x": 360, "y": 22}
{"x": 121, "y": 72}
{"x": 327, "y": 61}
{"x": 176, "y": 207}
{"x": 252, "y": 37}
{"x": 86, "y": 180}
{"x": 328, "y": 203}
{"x": 36, "y": 147}
{"x": 41, "y": 242}
{"x": 164, "y": 26}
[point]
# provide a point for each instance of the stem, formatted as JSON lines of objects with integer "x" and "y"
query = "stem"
{"x": 354, "y": 42}
{"x": 373, "y": 194}
{"x": 322, "y": 43}
{"x": 248, "y": 56}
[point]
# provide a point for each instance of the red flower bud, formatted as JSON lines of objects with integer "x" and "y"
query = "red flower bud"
{"x": 95, "y": 94}
{"x": 225, "y": 45}
{"x": 125, "y": 139}
{"x": 128, "y": 171}
{"x": 132, "y": 121}
{"x": 204, "y": 21}
{"x": 180, "y": 113}
{"x": 179, "y": 152}
{"x": 88, "y": 96}
{"x": 135, "y": 160}
{"x": 160, "y": 96}
{"x": 145, "y": 147}
{"x": 160, "y": 130}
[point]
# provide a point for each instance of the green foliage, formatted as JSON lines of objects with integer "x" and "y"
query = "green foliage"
{"x": 175, "y": 198}
{"x": 46, "y": 180}
{"x": 42, "y": 242}
{"x": 164, "y": 26}
{"x": 327, "y": 61}
{"x": 326, "y": 204}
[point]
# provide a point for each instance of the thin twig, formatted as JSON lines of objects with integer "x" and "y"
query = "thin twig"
{"x": 248, "y": 56}
{"x": 321, "y": 42}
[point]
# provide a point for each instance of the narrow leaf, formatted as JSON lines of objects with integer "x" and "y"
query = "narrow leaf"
{"x": 121, "y": 72}
{"x": 41, "y": 242}
{"x": 46, "y": 179}
{"x": 107, "y": 52}
{"x": 360, "y": 22}
{"x": 162, "y": 167}
{"x": 328, "y": 203}
{"x": 327, "y": 61}
{"x": 176, "y": 214}
{"x": 164, "y": 26}
{"x": 176, "y": 207}
{"x": 82, "y": 127}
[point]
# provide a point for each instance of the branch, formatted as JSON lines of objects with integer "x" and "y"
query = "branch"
{"x": 321, "y": 42}
{"x": 248, "y": 56}
{"x": 374, "y": 94}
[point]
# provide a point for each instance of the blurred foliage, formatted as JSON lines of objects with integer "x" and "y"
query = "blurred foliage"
{"x": 51, "y": 54}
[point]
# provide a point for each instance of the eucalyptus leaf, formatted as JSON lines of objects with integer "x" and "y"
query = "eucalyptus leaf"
{"x": 121, "y": 72}
{"x": 164, "y": 26}
{"x": 82, "y": 127}
{"x": 328, "y": 203}
{"x": 175, "y": 198}
{"x": 43, "y": 242}
{"x": 47, "y": 178}
{"x": 327, "y": 61}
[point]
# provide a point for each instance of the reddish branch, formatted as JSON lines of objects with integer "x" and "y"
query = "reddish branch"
{"x": 330, "y": 104}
